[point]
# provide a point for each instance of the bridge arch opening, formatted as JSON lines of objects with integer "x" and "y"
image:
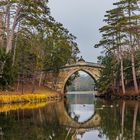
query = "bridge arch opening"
{"x": 80, "y": 80}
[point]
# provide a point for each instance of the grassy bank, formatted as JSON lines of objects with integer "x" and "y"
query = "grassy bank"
{"x": 38, "y": 96}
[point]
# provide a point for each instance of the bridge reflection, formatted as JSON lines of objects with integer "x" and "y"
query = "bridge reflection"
{"x": 80, "y": 107}
{"x": 67, "y": 116}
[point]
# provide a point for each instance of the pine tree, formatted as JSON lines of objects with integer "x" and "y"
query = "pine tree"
{"x": 113, "y": 37}
{"x": 130, "y": 8}
{"x": 120, "y": 35}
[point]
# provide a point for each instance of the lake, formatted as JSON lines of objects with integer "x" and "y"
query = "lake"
{"x": 78, "y": 117}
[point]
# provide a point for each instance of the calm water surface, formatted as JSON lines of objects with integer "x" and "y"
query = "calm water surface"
{"x": 79, "y": 117}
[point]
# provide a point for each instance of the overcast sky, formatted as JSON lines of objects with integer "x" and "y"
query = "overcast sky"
{"x": 82, "y": 18}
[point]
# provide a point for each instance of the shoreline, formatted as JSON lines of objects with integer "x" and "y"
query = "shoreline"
{"x": 119, "y": 96}
{"x": 10, "y": 97}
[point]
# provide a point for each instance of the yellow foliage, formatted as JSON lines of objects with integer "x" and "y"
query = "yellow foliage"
{"x": 36, "y": 97}
{"x": 10, "y": 107}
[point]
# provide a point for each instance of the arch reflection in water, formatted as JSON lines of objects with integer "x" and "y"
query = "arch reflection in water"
{"x": 80, "y": 107}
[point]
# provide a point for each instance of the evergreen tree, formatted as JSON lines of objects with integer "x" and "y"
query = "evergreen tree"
{"x": 120, "y": 36}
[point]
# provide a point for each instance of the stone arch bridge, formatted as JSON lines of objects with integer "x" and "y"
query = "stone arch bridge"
{"x": 58, "y": 81}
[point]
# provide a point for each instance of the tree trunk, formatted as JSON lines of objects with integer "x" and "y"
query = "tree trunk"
{"x": 40, "y": 78}
{"x": 33, "y": 83}
{"x": 8, "y": 26}
{"x": 134, "y": 73}
{"x": 120, "y": 54}
{"x": 9, "y": 43}
{"x": 18, "y": 83}
{"x": 14, "y": 55}
{"x": 15, "y": 47}
{"x": 132, "y": 50}
{"x": 10, "y": 33}
{"x": 1, "y": 40}
{"x": 122, "y": 78}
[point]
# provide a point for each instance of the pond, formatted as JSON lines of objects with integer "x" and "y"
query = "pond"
{"x": 79, "y": 117}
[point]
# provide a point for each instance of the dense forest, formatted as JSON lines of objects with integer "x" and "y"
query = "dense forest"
{"x": 31, "y": 41}
{"x": 121, "y": 44}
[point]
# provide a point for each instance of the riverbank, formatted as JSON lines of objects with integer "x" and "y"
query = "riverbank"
{"x": 129, "y": 95}
{"x": 119, "y": 96}
{"x": 40, "y": 95}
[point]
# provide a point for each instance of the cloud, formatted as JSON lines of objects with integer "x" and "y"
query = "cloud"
{"x": 83, "y": 19}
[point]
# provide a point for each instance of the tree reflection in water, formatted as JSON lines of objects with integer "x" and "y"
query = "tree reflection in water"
{"x": 120, "y": 120}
